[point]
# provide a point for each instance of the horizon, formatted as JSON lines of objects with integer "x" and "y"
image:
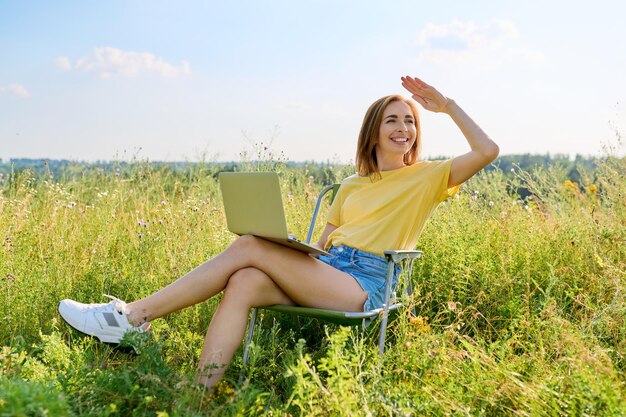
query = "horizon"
{"x": 548, "y": 155}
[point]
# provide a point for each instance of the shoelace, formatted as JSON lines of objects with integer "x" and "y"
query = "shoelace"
{"x": 114, "y": 298}
{"x": 116, "y": 305}
{"x": 106, "y": 306}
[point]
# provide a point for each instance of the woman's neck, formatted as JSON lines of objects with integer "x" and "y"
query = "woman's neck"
{"x": 389, "y": 164}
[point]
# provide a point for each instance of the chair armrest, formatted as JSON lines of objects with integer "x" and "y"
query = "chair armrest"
{"x": 396, "y": 256}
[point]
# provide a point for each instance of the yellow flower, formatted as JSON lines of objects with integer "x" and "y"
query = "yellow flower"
{"x": 570, "y": 186}
{"x": 420, "y": 323}
{"x": 222, "y": 388}
{"x": 599, "y": 261}
{"x": 592, "y": 189}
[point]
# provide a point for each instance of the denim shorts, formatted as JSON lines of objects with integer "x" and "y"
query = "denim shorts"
{"x": 368, "y": 269}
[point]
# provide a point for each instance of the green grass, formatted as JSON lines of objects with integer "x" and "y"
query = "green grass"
{"x": 520, "y": 303}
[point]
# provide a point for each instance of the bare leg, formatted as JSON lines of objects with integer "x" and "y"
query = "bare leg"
{"x": 247, "y": 288}
{"x": 305, "y": 280}
{"x": 254, "y": 272}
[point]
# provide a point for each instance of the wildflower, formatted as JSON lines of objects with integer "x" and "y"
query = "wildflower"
{"x": 196, "y": 208}
{"x": 592, "y": 189}
{"x": 599, "y": 261}
{"x": 71, "y": 204}
{"x": 490, "y": 203}
{"x": 222, "y": 389}
{"x": 421, "y": 324}
{"x": 569, "y": 186}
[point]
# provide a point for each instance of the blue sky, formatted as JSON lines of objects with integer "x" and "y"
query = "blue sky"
{"x": 190, "y": 80}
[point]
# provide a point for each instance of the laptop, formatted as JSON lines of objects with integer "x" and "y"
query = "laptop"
{"x": 254, "y": 206}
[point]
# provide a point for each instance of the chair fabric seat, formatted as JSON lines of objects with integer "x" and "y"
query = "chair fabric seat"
{"x": 347, "y": 318}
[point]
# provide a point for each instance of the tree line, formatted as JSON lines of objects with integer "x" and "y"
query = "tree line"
{"x": 60, "y": 169}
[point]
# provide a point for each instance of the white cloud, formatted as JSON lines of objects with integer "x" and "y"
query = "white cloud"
{"x": 15, "y": 89}
{"x": 109, "y": 62}
{"x": 465, "y": 42}
{"x": 63, "y": 62}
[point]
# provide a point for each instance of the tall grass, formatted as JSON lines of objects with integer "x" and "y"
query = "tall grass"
{"x": 520, "y": 306}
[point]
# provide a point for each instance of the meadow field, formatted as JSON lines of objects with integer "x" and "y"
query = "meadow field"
{"x": 520, "y": 303}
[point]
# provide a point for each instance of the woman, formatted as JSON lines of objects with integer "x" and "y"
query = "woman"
{"x": 384, "y": 206}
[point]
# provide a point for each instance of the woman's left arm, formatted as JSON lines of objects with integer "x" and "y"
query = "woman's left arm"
{"x": 483, "y": 149}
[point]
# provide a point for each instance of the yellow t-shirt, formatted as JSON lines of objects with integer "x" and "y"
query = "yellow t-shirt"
{"x": 388, "y": 213}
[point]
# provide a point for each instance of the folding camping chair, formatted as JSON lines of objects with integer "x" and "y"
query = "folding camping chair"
{"x": 365, "y": 318}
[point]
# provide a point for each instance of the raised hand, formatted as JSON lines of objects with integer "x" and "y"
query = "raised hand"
{"x": 425, "y": 94}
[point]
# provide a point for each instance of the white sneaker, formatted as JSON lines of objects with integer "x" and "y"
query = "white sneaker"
{"x": 108, "y": 322}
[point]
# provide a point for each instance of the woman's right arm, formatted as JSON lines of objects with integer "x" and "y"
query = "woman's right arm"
{"x": 483, "y": 149}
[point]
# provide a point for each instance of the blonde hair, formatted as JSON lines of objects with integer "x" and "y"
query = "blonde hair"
{"x": 366, "y": 163}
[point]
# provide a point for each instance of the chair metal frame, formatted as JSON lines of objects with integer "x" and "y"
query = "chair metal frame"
{"x": 394, "y": 257}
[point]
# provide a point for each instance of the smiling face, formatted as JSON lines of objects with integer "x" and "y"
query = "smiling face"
{"x": 397, "y": 132}
{"x": 382, "y": 143}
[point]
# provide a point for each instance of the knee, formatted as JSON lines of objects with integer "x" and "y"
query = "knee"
{"x": 243, "y": 284}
